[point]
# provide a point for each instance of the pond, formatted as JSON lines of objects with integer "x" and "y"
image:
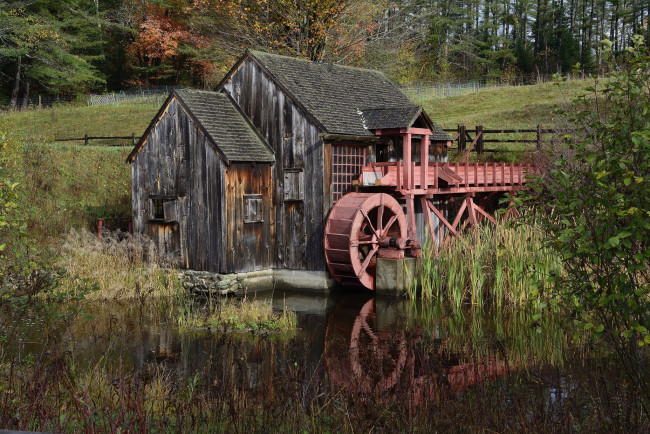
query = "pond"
{"x": 355, "y": 362}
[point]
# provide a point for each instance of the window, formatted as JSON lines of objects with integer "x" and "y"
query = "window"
{"x": 253, "y": 208}
{"x": 162, "y": 208}
{"x": 347, "y": 162}
{"x": 294, "y": 184}
{"x": 158, "y": 210}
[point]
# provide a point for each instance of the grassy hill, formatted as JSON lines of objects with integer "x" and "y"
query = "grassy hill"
{"x": 506, "y": 107}
{"x": 73, "y": 121}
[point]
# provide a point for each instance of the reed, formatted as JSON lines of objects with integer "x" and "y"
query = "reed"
{"x": 499, "y": 264}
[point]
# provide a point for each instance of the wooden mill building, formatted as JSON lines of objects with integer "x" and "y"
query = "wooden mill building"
{"x": 242, "y": 179}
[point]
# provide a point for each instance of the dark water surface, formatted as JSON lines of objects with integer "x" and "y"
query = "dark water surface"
{"x": 378, "y": 347}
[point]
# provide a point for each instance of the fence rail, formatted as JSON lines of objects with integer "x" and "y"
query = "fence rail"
{"x": 133, "y": 138}
{"x": 477, "y": 143}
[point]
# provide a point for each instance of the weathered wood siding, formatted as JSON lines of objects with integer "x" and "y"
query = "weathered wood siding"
{"x": 297, "y": 145}
{"x": 249, "y": 245}
{"x": 209, "y": 232}
{"x": 176, "y": 160}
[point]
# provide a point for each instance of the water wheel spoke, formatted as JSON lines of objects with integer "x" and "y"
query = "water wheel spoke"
{"x": 366, "y": 261}
{"x": 380, "y": 218}
{"x": 372, "y": 227}
{"x": 369, "y": 331}
{"x": 389, "y": 224}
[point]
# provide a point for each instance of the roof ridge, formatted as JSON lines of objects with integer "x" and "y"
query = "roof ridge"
{"x": 316, "y": 62}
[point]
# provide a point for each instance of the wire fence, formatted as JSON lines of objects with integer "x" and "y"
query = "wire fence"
{"x": 150, "y": 95}
{"x": 156, "y": 95}
{"x": 450, "y": 89}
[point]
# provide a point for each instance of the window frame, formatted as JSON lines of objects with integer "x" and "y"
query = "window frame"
{"x": 259, "y": 206}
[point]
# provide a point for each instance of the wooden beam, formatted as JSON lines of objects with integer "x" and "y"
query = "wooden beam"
{"x": 424, "y": 162}
{"x": 482, "y": 211}
{"x": 442, "y": 218}
{"x": 406, "y": 151}
{"x": 410, "y": 218}
{"x": 459, "y": 215}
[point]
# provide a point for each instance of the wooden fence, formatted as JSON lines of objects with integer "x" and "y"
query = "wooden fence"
{"x": 534, "y": 136}
{"x": 133, "y": 138}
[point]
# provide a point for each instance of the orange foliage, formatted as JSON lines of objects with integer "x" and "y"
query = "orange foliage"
{"x": 161, "y": 34}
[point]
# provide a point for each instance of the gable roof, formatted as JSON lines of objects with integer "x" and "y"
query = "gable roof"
{"x": 332, "y": 94}
{"x": 222, "y": 122}
{"x": 390, "y": 117}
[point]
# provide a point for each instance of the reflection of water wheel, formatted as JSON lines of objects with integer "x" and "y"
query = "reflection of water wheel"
{"x": 355, "y": 227}
{"x": 363, "y": 356}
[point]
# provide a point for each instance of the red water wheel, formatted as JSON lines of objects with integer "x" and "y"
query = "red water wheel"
{"x": 358, "y": 225}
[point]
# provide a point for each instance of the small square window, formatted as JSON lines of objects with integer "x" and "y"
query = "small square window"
{"x": 163, "y": 208}
{"x": 253, "y": 208}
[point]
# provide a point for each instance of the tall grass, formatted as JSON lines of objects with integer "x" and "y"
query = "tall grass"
{"x": 243, "y": 315}
{"x": 122, "y": 267}
{"x": 497, "y": 264}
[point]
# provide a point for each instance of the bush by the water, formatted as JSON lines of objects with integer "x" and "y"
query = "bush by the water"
{"x": 121, "y": 266}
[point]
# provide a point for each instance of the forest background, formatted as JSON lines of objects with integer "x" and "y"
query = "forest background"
{"x": 72, "y": 47}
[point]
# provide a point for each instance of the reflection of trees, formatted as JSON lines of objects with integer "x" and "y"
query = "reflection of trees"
{"x": 367, "y": 354}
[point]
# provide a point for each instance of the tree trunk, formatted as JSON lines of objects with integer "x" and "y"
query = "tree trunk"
{"x": 14, "y": 94}
{"x": 26, "y": 95}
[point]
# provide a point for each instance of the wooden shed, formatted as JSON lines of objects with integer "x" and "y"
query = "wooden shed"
{"x": 249, "y": 172}
{"x": 202, "y": 185}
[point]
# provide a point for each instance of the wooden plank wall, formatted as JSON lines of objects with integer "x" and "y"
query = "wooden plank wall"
{"x": 249, "y": 246}
{"x": 297, "y": 145}
{"x": 176, "y": 160}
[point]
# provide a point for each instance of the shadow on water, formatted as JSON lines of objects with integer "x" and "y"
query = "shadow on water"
{"x": 355, "y": 361}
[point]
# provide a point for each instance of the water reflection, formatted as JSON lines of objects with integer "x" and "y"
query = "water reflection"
{"x": 363, "y": 344}
{"x": 376, "y": 346}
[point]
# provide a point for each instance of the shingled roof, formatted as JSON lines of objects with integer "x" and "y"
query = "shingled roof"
{"x": 335, "y": 95}
{"x": 439, "y": 135}
{"x": 223, "y": 123}
{"x": 390, "y": 117}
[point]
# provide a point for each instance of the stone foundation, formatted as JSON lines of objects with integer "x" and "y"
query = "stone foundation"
{"x": 240, "y": 284}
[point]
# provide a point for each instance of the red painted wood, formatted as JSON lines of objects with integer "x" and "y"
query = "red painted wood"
{"x": 357, "y": 224}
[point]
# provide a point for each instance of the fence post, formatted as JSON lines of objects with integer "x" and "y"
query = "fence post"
{"x": 479, "y": 141}
{"x": 86, "y": 139}
{"x": 539, "y": 137}
{"x": 133, "y": 137}
{"x": 462, "y": 139}
{"x": 39, "y": 102}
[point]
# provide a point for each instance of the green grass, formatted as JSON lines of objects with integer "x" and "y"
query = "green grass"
{"x": 507, "y": 107}
{"x": 244, "y": 316}
{"x": 70, "y": 121}
{"x": 66, "y": 186}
